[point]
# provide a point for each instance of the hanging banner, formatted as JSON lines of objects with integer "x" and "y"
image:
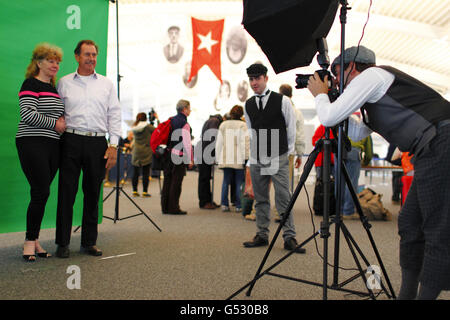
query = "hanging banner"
{"x": 24, "y": 24}
{"x": 207, "y": 40}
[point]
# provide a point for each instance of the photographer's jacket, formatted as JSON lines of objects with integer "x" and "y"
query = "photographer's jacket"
{"x": 414, "y": 112}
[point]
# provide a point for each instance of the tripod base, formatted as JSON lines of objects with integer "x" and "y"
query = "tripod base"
{"x": 374, "y": 279}
{"x": 118, "y": 190}
{"x": 337, "y": 287}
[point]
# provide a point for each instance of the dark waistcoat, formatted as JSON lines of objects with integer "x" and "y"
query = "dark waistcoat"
{"x": 408, "y": 114}
{"x": 270, "y": 118}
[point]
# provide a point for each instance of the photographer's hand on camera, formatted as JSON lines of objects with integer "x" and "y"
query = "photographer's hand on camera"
{"x": 316, "y": 85}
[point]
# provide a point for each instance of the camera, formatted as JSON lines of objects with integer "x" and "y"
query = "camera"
{"x": 302, "y": 79}
{"x": 151, "y": 116}
{"x": 302, "y": 82}
{"x": 324, "y": 62}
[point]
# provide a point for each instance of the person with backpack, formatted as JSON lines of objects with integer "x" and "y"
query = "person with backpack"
{"x": 177, "y": 157}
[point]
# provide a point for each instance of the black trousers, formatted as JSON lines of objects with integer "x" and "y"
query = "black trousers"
{"x": 173, "y": 179}
{"x": 424, "y": 221}
{"x": 39, "y": 159}
{"x": 80, "y": 153}
{"x": 204, "y": 184}
{"x": 145, "y": 176}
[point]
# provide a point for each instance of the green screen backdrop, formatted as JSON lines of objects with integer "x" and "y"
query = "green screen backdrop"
{"x": 24, "y": 24}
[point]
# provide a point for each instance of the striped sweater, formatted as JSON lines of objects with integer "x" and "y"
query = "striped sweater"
{"x": 40, "y": 107}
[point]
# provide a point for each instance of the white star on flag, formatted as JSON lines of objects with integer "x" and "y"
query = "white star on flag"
{"x": 206, "y": 42}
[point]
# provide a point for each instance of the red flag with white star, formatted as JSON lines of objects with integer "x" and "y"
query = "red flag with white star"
{"x": 206, "y": 46}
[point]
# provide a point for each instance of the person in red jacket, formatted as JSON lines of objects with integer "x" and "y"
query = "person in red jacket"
{"x": 319, "y": 134}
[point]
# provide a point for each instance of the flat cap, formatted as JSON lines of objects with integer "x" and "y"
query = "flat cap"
{"x": 363, "y": 55}
{"x": 256, "y": 69}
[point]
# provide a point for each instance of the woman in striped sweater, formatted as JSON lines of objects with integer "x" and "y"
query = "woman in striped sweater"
{"x": 37, "y": 138}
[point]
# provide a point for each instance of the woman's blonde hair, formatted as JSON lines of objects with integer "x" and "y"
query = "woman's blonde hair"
{"x": 41, "y": 52}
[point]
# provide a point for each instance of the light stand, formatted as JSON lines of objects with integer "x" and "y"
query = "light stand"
{"x": 326, "y": 145}
{"x": 118, "y": 188}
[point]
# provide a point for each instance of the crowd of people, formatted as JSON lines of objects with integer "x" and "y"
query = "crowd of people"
{"x": 60, "y": 131}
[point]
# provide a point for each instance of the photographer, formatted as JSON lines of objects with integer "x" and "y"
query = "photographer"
{"x": 416, "y": 118}
{"x": 152, "y": 116}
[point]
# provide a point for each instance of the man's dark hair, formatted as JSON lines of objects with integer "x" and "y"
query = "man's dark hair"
{"x": 77, "y": 50}
{"x": 256, "y": 69}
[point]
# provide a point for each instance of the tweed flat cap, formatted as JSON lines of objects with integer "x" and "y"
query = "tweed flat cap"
{"x": 363, "y": 55}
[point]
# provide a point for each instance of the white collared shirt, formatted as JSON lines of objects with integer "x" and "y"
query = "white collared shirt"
{"x": 91, "y": 104}
{"x": 288, "y": 114}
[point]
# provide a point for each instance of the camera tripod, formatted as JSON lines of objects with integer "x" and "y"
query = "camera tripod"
{"x": 326, "y": 146}
{"x": 119, "y": 189}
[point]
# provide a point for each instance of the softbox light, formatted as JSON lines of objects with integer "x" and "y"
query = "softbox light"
{"x": 287, "y": 30}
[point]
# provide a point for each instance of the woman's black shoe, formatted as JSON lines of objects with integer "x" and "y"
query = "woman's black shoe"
{"x": 29, "y": 257}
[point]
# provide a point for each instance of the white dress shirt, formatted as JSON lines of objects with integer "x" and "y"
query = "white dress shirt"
{"x": 91, "y": 104}
{"x": 288, "y": 114}
{"x": 369, "y": 86}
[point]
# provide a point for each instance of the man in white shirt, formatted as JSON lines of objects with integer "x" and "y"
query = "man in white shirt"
{"x": 92, "y": 110}
{"x": 416, "y": 118}
{"x": 271, "y": 120}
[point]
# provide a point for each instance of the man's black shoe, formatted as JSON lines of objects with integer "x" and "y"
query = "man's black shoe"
{"x": 291, "y": 244}
{"x": 256, "y": 242}
{"x": 62, "y": 251}
{"x": 91, "y": 250}
{"x": 179, "y": 212}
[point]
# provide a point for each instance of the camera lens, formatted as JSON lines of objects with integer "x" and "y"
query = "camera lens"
{"x": 302, "y": 80}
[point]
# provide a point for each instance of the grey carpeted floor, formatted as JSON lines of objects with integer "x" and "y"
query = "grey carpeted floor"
{"x": 197, "y": 256}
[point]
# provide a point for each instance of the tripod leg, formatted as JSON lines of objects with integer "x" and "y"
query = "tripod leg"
{"x": 142, "y": 211}
{"x": 350, "y": 238}
{"x": 260, "y": 275}
{"x": 355, "y": 258}
{"x": 110, "y": 193}
{"x": 367, "y": 227}
{"x": 212, "y": 183}
{"x": 325, "y": 225}
{"x": 307, "y": 169}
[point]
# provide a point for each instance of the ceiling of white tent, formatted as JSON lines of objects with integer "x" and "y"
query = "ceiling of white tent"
{"x": 413, "y": 35}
